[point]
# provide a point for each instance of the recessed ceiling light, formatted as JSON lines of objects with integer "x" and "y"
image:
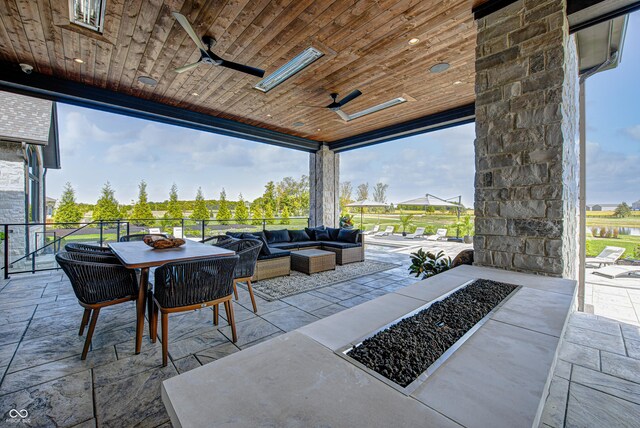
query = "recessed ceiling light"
{"x": 457, "y": 82}
{"x": 298, "y": 123}
{"x": 297, "y": 64}
{"x": 439, "y": 68}
{"x": 268, "y": 115}
{"x": 78, "y": 60}
{"x": 195, "y": 94}
{"x": 414, "y": 41}
{"x": 146, "y": 80}
{"x": 318, "y": 129}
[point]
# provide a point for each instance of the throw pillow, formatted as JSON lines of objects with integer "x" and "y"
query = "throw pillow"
{"x": 323, "y": 235}
{"x": 298, "y": 236}
{"x": 311, "y": 231}
{"x": 275, "y": 236}
{"x": 348, "y": 235}
{"x": 265, "y": 250}
{"x": 333, "y": 233}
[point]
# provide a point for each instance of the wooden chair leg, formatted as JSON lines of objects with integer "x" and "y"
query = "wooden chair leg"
{"x": 150, "y": 306}
{"x": 153, "y": 322}
{"x": 85, "y": 320}
{"x": 253, "y": 299}
{"x": 92, "y": 327}
{"x": 235, "y": 289}
{"x": 216, "y": 313}
{"x": 228, "y": 307}
{"x": 165, "y": 338}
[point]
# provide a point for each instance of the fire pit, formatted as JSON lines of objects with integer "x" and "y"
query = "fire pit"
{"x": 406, "y": 351}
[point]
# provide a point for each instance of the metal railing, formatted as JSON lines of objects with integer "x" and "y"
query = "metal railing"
{"x": 31, "y": 247}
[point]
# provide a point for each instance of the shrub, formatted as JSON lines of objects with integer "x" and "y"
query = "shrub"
{"x": 428, "y": 264}
{"x": 616, "y": 232}
{"x": 594, "y": 231}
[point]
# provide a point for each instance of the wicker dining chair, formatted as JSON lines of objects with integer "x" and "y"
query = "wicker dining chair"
{"x": 217, "y": 240}
{"x": 139, "y": 236}
{"x": 98, "y": 281}
{"x": 189, "y": 285}
{"x": 248, "y": 250}
{"x": 78, "y": 247}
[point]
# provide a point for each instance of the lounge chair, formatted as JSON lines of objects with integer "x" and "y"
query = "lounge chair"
{"x": 375, "y": 229}
{"x": 418, "y": 233}
{"x": 177, "y": 232}
{"x": 614, "y": 272}
{"x": 388, "y": 230}
{"x": 608, "y": 256}
{"x": 440, "y": 233}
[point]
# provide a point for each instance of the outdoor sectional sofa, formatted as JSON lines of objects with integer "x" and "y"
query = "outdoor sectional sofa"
{"x": 275, "y": 257}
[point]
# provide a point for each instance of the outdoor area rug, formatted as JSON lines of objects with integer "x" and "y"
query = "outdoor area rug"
{"x": 298, "y": 282}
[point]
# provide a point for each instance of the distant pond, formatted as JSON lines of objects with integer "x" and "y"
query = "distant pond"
{"x": 633, "y": 231}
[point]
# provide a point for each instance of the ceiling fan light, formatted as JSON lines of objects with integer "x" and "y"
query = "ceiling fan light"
{"x": 297, "y": 64}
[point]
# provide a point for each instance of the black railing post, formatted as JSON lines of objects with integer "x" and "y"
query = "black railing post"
{"x": 118, "y": 231}
{"x": 100, "y": 233}
{"x": 128, "y": 233}
{"x": 6, "y": 251}
{"x": 202, "y": 226}
{"x": 264, "y": 224}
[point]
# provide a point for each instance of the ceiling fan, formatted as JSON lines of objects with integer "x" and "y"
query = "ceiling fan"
{"x": 336, "y": 106}
{"x": 208, "y": 57}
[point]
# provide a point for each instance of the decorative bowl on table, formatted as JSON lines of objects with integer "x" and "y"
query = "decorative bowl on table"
{"x": 159, "y": 242}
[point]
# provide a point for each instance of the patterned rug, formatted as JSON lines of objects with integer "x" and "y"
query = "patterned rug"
{"x": 298, "y": 282}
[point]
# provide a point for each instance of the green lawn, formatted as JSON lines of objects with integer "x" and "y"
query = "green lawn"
{"x": 606, "y": 218}
{"x": 631, "y": 244}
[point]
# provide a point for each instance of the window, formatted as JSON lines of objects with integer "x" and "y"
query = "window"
{"x": 33, "y": 188}
{"x": 87, "y": 13}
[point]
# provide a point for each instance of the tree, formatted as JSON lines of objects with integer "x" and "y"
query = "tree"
{"x": 268, "y": 214}
{"x": 174, "y": 209}
{"x": 142, "y": 214}
{"x": 224, "y": 213}
{"x": 256, "y": 212}
{"x": 107, "y": 206}
{"x": 345, "y": 194}
{"x": 284, "y": 215}
{"x": 241, "y": 214}
{"x": 269, "y": 197}
{"x": 380, "y": 192}
{"x": 622, "y": 210}
{"x": 200, "y": 211}
{"x": 68, "y": 211}
{"x": 363, "y": 192}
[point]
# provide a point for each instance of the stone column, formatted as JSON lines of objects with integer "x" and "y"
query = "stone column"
{"x": 526, "y": 146}
{"x": 324, "y": 181}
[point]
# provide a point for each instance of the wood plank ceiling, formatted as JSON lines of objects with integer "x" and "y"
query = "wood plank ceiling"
{"x": 365, "y": 43}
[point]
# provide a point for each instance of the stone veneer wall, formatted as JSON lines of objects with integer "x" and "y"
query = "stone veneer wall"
{"x": 526, "y": 150}
{"x": 324, "y": 181}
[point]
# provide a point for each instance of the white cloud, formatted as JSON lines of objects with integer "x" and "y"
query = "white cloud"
{"x": 612, "y": 177}
{"x": 633, "y": 132}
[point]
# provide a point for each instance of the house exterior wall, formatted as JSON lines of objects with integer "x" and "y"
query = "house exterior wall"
{"x": 526, "y": 146}
{"x": 324, "y": 182}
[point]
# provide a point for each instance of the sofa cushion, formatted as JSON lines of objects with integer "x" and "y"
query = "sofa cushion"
{"x": 264, "y": 251}
{"x": 341, "y": 245}
{"x": 275, "y": 236}
{"x": 285, "y": 245}
{"x": 333, "y": 233}
{"x": 275, "y": 254}
{"x": 298, "y": 236}
{"x": 323, "y": 235}
{"x": 308, "y": 244}
{"x": 237, "y": 235}
{"x": 348, "y": 235}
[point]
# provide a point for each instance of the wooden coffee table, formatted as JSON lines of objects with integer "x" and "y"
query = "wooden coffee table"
{"x": 313, "y": 261}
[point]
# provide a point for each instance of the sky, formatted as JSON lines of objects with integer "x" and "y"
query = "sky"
{"x": 97, "y": 147}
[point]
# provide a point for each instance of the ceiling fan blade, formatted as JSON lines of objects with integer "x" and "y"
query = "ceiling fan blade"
{"x": 182, "y": 20}
{"x": 353, "y": 95}
{"x": 344, "y": 116}
{"x": 186, "y": 67}
{"x": 242, "y": 68}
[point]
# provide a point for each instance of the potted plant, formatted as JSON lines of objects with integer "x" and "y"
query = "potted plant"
{"x": 346, "y": 221}
{"x": 466, "y": 228}
{"x": 405, "y": 221}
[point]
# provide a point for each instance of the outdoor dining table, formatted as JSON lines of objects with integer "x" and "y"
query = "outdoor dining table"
{"x": 138, "y": 255}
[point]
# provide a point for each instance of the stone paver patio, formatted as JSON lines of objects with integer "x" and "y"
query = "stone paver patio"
{"x": 596, "y": 383}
